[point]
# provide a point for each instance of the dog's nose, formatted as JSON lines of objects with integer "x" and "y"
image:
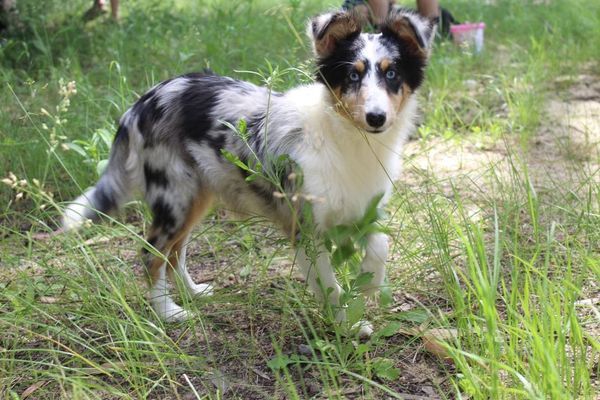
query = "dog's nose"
{"x": 376, "y": 119}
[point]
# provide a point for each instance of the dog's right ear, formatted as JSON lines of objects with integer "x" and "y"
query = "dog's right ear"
{"x": 327, "y": 30}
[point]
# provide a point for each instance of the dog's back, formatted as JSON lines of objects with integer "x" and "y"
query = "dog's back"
{"x": 175, "y": 141}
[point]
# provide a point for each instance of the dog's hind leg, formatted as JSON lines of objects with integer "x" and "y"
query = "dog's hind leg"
{"x": 178, "y": 271}
{"x": 162, "y": 303}
{"x": 168, "y": 235}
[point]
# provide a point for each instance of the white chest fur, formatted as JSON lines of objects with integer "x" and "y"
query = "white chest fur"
{"x": 344, "y": 168}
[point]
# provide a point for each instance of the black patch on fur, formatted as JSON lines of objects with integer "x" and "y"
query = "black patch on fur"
{"x": 256, "y": 123}
{"x": 217, "y": 143}
{"x": 255, "y": 126}
{"x": 197, "y": 103}
{"x": 446, "y": 19}
{"x": 333, "y": 70}
{"x": 163, "y": 215}
{"x": 217, "y": 140}
{"x": 410, "y": 65}
{"x": 155, "y": 177}
{"x": 151, "y": 241}
{"x": 122, "y": 135}
{"x": 149, "y": 113}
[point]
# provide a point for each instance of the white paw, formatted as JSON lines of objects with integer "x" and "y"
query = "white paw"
{"x": 178, "y": 315}
{"x": 202, "y": 289}
{"x": 364, "y": 329}
{"x": 168, "y": 311}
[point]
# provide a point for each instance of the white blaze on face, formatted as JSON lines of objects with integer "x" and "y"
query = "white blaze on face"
{"x": 378, "y": 105}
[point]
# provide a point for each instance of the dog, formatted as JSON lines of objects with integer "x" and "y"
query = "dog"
{"x": 345, "y": 132}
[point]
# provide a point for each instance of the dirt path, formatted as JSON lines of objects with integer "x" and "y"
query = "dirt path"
{"x": 568, "y": 144}
{"x": 567, "y": 141}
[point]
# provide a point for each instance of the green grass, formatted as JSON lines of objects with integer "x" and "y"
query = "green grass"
{"x": 501, "y": 258}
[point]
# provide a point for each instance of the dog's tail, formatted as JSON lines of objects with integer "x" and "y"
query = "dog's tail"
{"x": 116, "y": 186}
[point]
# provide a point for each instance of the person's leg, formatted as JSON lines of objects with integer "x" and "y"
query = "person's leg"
{"x": 378, "y": 10}
{"x": 369, "y": 11}
{"x": 428, "y": 8}
{"x": 114, "y": 9}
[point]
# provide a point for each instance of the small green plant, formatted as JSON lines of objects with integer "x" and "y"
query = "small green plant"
{"x": 95, "y": 150}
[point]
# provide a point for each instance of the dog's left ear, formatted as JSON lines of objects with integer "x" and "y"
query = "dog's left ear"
{"x": 414, "y": 32}
{"x": 327, "y": 30}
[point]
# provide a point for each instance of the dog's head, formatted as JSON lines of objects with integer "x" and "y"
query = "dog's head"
{"x": 371, "y": 76}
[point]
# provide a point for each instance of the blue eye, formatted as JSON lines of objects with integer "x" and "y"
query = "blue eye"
{"x": 354, "y": 77}
{"x": 390, "y": 74}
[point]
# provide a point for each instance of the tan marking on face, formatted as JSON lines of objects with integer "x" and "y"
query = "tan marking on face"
{"x": 385, "y": 64}
{"x": 352, "y": 107}
{"x": 359, "y": 66}
{"x": 399, "y": 100}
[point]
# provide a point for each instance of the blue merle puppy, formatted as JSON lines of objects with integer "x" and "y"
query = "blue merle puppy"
{"x": 345, "y": 132}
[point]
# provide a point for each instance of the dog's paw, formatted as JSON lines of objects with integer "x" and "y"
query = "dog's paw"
{"x": 177, "y": 315}
{"x": 202, "y": 289}
{"x": 168, "y": 311}
{"x": 363, "y": 329}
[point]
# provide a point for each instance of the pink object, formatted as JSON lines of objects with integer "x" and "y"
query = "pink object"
{"x": 469, "y": 34}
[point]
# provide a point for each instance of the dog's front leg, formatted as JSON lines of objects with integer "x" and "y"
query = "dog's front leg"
{"x": 321, "y": 279}
{"x": 374, "y": 262}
